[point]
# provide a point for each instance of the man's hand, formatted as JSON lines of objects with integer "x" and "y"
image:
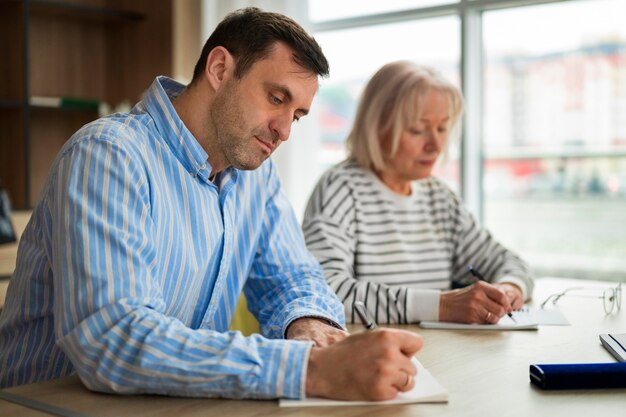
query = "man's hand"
{"x": 479, "y": 303}
{"x": 316, "y": 330}
{"x": 371, "y": 366}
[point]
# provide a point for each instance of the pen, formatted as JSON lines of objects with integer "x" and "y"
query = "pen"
{"x": 479, "y": 276}
{"x": 361, "y": 311}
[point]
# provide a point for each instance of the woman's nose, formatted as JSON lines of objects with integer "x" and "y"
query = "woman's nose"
{"x": 435, "y": 141}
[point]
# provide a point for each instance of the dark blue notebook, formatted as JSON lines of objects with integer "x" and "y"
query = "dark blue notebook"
{"x": 579, "y": 376}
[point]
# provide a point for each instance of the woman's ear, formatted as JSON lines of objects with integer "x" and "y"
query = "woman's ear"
{"x": 219, "y": 66}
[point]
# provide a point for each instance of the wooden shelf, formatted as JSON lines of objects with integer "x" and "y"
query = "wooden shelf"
{"x": 63, "y": 109}
{"x": 85, "y": 51}
{"x": 55, "y": 8}
{"x": 64, "y": 104}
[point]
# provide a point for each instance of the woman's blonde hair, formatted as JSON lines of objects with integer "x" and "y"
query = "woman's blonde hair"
{"x": 392, "y": 100}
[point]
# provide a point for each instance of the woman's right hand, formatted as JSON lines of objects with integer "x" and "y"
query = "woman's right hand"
{"x": 480, "y": 302}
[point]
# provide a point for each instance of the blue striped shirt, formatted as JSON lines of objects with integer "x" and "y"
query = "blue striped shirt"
{"x": 130, "y": 269}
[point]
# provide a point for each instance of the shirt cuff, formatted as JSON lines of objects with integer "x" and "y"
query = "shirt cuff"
{"x": 422, "y": 305}
{"x": 285, "y": 370}
{"x": 309, "y": 313}
{"x": 509, "y": 279}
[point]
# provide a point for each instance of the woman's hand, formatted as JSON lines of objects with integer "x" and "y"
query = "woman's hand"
{"x": 513, "y": 293}
{"x": 481, "y": 302}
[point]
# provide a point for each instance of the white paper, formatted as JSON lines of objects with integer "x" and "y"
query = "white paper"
{"x": 527, "y": 318}
{"x": 426, "y": 390}
{"x": 545, "y": 317}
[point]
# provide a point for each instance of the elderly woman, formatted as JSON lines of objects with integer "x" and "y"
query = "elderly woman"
{"x": 390, "y": 234}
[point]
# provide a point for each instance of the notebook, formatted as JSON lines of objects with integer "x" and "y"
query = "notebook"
{"x": 527, "y": 318}
{"x": 426, "y": 390}
{"x": 578, "y": 375}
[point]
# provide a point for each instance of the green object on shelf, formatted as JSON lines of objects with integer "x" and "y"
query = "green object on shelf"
{"x": 79, "y": 103}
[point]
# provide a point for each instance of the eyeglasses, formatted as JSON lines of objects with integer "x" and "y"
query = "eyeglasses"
{"x": 612, "y": 297}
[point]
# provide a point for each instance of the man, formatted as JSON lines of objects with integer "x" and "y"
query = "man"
{"x": 152, "y": 222}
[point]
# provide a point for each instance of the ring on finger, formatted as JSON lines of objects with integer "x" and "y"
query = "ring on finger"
{"x": 409, "y": 380}
{"x": 488, "y": 316}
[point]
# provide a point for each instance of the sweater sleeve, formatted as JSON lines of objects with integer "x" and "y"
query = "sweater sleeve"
{"x": 329, "y": 226}
{"x": 474, "y": 245}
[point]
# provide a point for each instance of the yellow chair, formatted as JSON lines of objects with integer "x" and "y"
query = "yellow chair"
{"x": 243, "y": 320}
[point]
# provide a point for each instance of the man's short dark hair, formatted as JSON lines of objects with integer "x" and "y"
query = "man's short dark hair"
{"x": 249, "y": 35}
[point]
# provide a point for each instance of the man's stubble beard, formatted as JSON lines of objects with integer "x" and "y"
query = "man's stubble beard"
{"x": 234, "y": 139}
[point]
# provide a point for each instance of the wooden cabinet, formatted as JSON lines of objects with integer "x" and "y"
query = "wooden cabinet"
{"x": 58, "y": 60}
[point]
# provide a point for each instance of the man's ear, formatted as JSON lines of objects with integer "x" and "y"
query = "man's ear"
{"x": 219, "y": 66}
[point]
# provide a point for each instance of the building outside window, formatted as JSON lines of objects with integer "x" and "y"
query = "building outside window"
{"x": 555, "y": 135}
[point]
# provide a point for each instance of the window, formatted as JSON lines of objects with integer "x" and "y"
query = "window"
{"x": 555, "y": 135}
{"x": 550, "y": 125}
{"x": 370, "y": 48}
{"x": 324, "y": 10}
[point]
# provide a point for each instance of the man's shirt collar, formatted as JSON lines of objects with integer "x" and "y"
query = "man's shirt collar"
{"x": 158, "y": 102}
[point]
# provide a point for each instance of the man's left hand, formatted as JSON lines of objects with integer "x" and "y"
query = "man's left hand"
{"x": 316, "y": 330}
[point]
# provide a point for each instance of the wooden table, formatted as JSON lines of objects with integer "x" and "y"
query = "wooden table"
{"x": 485, "y": 372}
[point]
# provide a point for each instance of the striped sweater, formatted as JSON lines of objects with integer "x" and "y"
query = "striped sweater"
{"x": 396, "y": 253}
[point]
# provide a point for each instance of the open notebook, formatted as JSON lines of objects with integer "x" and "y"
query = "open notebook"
{"x": 527, "y": 318}
{"x": 426, "y": 390}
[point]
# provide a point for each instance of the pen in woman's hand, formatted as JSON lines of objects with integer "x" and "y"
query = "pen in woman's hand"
{"x": 361, "y": 311}
{"x": 480, "y": 277}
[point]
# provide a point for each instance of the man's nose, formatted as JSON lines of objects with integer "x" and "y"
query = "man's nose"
{"x": 281, "y": 127}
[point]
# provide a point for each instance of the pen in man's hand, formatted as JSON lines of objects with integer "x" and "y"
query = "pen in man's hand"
{"x": 480, "y": 277}
{"x": 361, "y": 311}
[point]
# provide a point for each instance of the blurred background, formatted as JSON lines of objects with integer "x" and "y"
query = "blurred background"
{"x": 542, "y": 157}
